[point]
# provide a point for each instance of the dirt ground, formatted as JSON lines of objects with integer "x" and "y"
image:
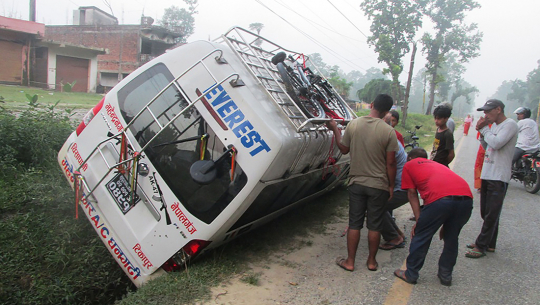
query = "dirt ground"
{"x": 310, "y": 276}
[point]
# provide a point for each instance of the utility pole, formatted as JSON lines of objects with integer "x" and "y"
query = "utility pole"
{"x": 32, "y": 15}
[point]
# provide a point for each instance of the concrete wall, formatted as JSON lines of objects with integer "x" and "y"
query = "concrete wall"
{"x": 123, "y": 43}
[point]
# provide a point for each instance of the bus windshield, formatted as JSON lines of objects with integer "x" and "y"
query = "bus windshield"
{"x": 173, "y": 161}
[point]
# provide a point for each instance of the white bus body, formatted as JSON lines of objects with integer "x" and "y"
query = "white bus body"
{"x": 192, "y": 104}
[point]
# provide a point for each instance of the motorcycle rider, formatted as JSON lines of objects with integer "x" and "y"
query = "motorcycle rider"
{"x": 528, "y": 139}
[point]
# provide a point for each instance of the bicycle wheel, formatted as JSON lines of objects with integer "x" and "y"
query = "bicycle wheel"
{"x": 335, "y": 105}
{"x": 408, "y": 148}
{"x": 298, "y": 93}
{"x": 531, "y": 178}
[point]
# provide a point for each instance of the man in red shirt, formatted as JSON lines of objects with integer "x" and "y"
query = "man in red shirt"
{"x": 447, "y": 203}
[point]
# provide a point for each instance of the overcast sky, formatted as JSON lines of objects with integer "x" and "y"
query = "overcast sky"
{"x": 335, "y": 28}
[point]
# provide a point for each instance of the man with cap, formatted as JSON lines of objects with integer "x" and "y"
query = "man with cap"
{"x": 499, "y": 142}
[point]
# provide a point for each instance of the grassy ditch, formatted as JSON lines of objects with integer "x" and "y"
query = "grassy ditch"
{"x": 15, "y": 98}
{"x": 47, "y": 256}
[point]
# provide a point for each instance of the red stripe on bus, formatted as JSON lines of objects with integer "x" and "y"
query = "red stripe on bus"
{"x": 211, "y": 110}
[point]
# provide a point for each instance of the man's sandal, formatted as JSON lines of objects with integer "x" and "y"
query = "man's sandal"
{"x": 472, "y": 246}
{"x": 401, "y": 274}
{"x": 474, "y": 254}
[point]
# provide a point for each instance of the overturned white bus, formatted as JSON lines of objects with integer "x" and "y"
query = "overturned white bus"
{"x": 199, "y": 146}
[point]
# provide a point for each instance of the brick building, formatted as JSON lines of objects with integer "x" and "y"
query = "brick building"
{"x": 17, "y": 41}
{"x": 129, "y": 46}
{"x": 30, "y": 60}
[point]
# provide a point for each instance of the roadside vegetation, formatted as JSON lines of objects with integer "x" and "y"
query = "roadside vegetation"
{"x": 426, "y": 133}
{"x": 15, "y": 98}
{"x": 49, "y": 257}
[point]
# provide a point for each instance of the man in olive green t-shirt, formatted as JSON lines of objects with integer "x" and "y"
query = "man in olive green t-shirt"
{"x": 372, "y": 144}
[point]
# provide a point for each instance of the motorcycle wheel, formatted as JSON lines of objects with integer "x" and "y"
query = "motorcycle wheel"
{"x": 531, "y": 179}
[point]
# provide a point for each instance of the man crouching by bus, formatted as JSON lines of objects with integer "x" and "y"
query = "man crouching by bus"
{"x": 447, "y": 203}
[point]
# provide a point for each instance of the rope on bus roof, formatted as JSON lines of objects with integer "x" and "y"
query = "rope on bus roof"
{"x": 330, "y": 162}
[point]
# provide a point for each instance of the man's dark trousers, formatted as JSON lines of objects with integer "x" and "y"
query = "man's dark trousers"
{"x": 452, "y": 214}
{"x": 492, "y": 193}
{"x": 389, "y": 227}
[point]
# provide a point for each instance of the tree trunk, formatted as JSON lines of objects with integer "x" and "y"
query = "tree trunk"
{"x": 432, "y": 84}
{"x": 408, "y": 89}
{"x": 395, "y": 89}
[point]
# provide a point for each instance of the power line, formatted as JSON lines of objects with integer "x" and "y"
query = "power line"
{"x": 347, "y": 19}
{"x": 368, "y": 55}
{"x": 316, "y": 24}
{"x": 308, "y": 36}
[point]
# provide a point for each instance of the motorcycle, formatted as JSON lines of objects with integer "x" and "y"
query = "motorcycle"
{"x": 527, "y": 170}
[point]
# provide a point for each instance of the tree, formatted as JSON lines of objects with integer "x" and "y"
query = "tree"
{"x": 519, "y": 92}
{"x": 452, "y": 36}
{"x": 339, "y": 83}
{"x": 373, "y": 88}
{"x": 257, "y": 26}
{"x": 315, "y": 60}
{"x": 180, "y": 20}
{"x": 393, "y": 28}
{"x": 533, "y": 86}
{"x": 506, "y": 94}
{"x": 359, "y": 80}
{"x": 463, "y": 99}
{"x": 450, "y": 77}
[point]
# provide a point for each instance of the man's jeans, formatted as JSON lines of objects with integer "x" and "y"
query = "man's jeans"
{"x": 452, "y": 214}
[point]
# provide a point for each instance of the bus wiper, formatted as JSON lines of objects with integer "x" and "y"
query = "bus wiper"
{"x": 160, "y": 198}
{"x": 181, "y": 141}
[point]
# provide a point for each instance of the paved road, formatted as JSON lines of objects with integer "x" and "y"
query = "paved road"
{"x": 310, "y": 276}
{"x": 509, "y": 276}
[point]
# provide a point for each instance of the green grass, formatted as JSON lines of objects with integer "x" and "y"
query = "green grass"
{"x": 426, "y": 133}
{"x": 15, "y": 98}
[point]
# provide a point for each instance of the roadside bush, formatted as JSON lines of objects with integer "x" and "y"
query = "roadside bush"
{"x": 33, "y": 137}
{"x": 47, "y": 256}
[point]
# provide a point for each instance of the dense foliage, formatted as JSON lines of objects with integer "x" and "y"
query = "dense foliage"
{"x": 452, "y": 37}
{"x": 393, "y": 28}
{"x": 47, "y": 256}
{"x": 180, "y": 20}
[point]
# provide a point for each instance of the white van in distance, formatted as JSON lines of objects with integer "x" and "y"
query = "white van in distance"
{"x": 200, "y": 145}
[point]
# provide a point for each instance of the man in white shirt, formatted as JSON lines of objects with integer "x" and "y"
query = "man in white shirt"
{"x": 528, "y": 140}
{"x": 499, "y": 142}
